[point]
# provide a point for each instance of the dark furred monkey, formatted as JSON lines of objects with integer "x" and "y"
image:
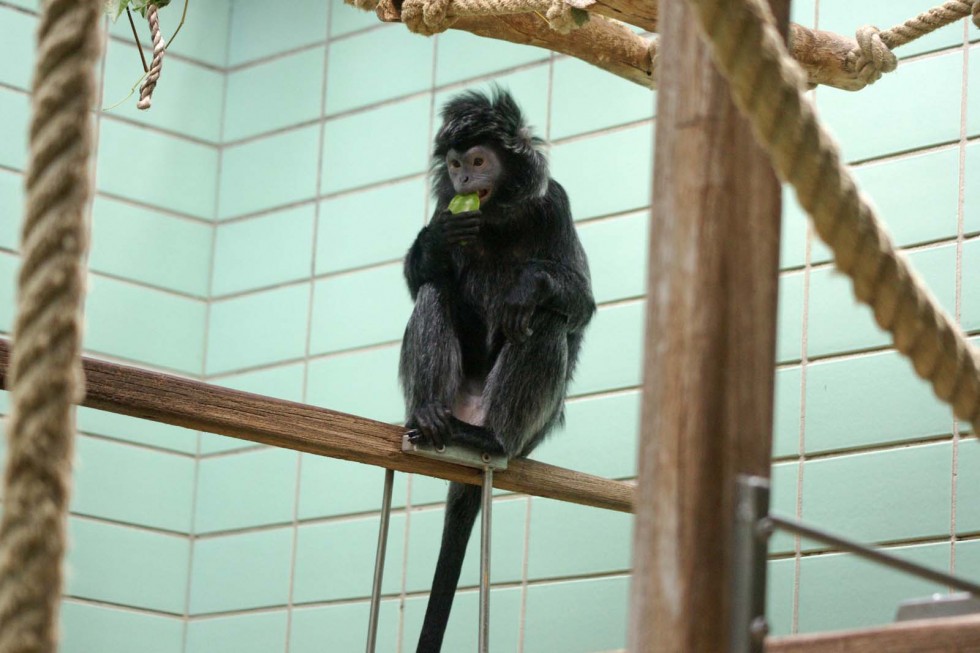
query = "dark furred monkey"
{"x": 502, "y": 295}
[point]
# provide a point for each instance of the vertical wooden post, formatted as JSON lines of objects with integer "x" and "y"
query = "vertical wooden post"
{"x": 710, "y": 346}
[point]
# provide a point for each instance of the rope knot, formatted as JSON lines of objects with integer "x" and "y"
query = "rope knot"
{"x": 560, "y": 17}
{"x": 871, "y": 58}
{"x": 427, "y": 17}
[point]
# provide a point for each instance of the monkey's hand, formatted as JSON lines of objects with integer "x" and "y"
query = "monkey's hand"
{"x": 432, "y": 422}
{"x": 522, "y": 301}
{"x": 460, "y": 229}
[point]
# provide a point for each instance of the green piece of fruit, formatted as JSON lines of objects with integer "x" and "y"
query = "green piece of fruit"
{"x": 463, "y": 203}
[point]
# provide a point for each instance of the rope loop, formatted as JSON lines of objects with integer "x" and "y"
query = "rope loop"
{"x": 159, "y": 47}
{"x": 872, "y": 57}
{"x": 427, "y": 17}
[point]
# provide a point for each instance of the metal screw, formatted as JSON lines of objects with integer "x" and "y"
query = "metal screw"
{"x": 441, "y": 449}
{"x": 764, "y": 528}
{"x": 759, "y": 628}
{"x": 485, "y": 457}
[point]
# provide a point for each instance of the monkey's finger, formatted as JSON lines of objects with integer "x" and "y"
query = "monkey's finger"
{"x": 525, "y": 323}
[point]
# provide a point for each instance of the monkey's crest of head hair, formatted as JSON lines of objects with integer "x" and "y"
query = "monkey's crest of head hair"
{"x": 476, "y": 118}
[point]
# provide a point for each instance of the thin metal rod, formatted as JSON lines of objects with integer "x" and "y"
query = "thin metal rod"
{"x": 874, "y": 555}
{"x": 487, "y": 503}
{"x": 379, "y": 561}
{"x": 750, "y": 546}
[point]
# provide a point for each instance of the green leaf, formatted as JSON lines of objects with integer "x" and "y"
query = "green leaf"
{"x": 580, "y": 16}
{"x": 463, "y": 203}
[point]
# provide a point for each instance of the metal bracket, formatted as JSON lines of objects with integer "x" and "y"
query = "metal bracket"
{"x": 938, "y": 605}
{"x": 751, "y": 546}
{"x": 455, "y": 454}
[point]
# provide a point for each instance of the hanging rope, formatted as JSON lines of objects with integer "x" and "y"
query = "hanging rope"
{"x": 767, "y": 85}
{"x": 874, "y": 55}
{"x": 146, "y": 90}
{"x": 45, "y": 369}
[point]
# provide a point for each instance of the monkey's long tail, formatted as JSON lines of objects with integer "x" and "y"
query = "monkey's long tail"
{"x": 462, "y": 507}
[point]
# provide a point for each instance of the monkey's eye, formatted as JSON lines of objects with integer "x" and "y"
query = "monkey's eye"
{"x": 454, "y": 163}
{"x": 478, "y": 162}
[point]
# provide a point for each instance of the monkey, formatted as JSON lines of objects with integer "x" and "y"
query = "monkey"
{"x": 502, "y": 297}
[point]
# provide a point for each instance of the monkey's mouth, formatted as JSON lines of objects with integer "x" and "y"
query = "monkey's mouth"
{"x": 483, "y": 194}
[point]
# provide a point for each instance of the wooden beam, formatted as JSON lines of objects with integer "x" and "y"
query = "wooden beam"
{"x": 200, "y": 406}
{"x": 947, "y": 635}
{"x": 710, "y": 346}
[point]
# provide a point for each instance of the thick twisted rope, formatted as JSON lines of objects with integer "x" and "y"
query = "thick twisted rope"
{"x": 874, "y": 55}
{"x": 767, "y": 85}
{"x": 433, "y": 16}
{"x": 45, "y": 369}
{"x": 153, "y": 75}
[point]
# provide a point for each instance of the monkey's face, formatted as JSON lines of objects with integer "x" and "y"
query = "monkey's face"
{"x": 477, "y": 170}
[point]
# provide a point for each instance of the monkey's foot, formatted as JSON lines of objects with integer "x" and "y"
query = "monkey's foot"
{"x": 432, "y": 423}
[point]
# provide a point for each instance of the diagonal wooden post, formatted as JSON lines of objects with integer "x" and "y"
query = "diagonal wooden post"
{"x": 710, "y": 354}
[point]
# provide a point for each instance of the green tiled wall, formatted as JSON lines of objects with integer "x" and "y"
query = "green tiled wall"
{"x": 249, "y": 231}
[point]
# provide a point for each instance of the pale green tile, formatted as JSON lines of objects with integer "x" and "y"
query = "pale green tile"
{"x": 264, "y": 251}
{"x": 923, "y": 100}
{"x": 784, "y": 486}
{"x": 529, "y": 87}
{"x": 873, "y": 399}
{"x": 269, "y": 172}
{"x": 351, "y": 145}
{"x": 464, "y": 56}
{"x": 617, "y": 251}
{"x": 133, "y": 429}
{"x": 259, "y": 329}
{"x": 612, "y": 353}
{"x": 844, "y": 17}
{"x": 204, "y": 36}
{"x": 331, "y": 487}
{"x": 620, "y": 182}
{"x": 17, "y": 36}
{"x": 336, "y": 560}
{"x": 804, "y": 12}
{"x": 362, "y": 383}
{"x": 123, "y": 483}
{"x": 345, "y": 18}
{"x": 184, "y": 175}
{"x": 342, "y": 627}
{"x": 9, "y": 265}
{"x": 11, "y": 208}
{"x": 507, "y": 554}
{"x": 86, "y": 628}
{"x": 968, "y": 559}
{"x": 780, "y": 579}
{"x": 586, "y": 98}
{"x": 898, "y": 494}
{"x": 839, "y": 592}
{"x": 152, "y": 247}
{"x": 613, "y": 420}
{"x": 792, "y": 242}
{"x": 581, "y": 616}
{"x": 15, "y": 108}
{"x": 358, "y": 309}
{"x": 971, "y": 286}
{"x": 353, "y": 61}
{"x": 968, "y": 486}
{"x": 263, "y": 632}
{"x": 188, "y": 103}
{"x": 240, "y": 572}
{"x": 253, "y": 488}
{"x": 370, "y": 226}
{"x": 127, "y": 566}
{"x": 260, "y": 28}
{"x": 973, "y": 108}
{"x": 461, "y": 632}
{"x": 789, "y": 318}
{"x": 564, "y": 542}
{"x": 274, "y": 94}
{"x": 145, "y": 325}
{"x": 787, "y": 411}
{"x": 971, "y": 208}
{"x": 839, "y": 323}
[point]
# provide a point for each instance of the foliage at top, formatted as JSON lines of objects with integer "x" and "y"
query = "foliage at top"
{"x": 115, "y": 8}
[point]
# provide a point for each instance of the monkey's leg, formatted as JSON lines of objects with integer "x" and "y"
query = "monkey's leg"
{"x": 526, "y": 387}
{"x": 431, "y": 365}
{"x": 462, "y": 507}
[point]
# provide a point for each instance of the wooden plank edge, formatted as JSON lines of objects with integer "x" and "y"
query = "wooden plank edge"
{"x": 949, "y": 635}
{"x": 200, "y": 406}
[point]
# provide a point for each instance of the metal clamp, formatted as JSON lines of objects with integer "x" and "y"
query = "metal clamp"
{"x": 454, "y": 453}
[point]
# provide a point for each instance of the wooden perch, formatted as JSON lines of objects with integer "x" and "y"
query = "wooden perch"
{"x": 605, "y": 42}
{"x": 202, "y": 407}
{"x": 949, "y": 635}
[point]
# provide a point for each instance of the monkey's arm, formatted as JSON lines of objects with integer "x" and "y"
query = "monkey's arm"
{"x": 429, "y": 259}
{"x": 566, "y": 291}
